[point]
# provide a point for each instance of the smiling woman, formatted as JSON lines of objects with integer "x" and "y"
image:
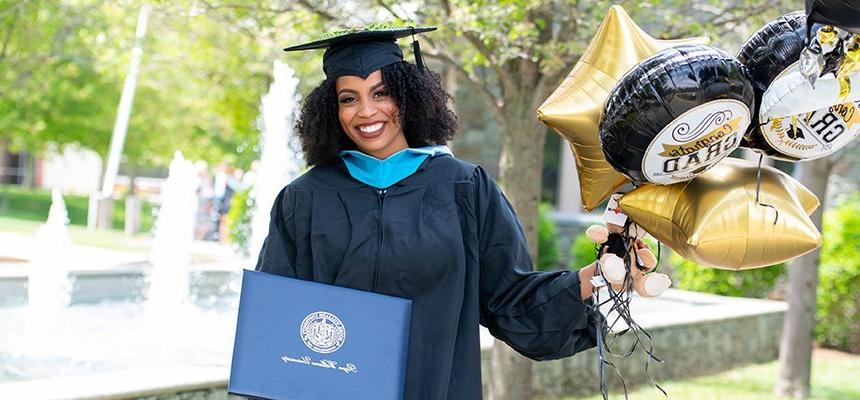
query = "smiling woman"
{"x": 388, "y": 209}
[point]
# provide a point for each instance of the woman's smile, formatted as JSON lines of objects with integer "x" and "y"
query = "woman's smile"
{"x": 371, "y": 130}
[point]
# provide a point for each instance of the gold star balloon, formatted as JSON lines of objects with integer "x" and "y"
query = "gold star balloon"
{"x": 574, "y": 109}
{"x": 715, "y": 219}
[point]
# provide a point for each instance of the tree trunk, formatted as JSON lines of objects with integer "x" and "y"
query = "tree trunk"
{"x": 27, "y": 169}
{"x": 520, "y": 164}
{"x": 449, "y": 83}
{"x": 795, "y": 350}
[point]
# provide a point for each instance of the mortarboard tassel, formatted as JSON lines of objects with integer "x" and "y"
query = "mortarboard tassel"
{"x": 416, "y": 48}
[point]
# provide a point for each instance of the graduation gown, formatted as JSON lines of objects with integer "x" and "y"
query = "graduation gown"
{"x": 445, "y": 237}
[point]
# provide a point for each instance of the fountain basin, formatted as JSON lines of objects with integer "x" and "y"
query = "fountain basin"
{"x": 125, "y": 282}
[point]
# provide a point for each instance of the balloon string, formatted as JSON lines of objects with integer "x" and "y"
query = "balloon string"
{"x": 758, "y": 189}
{"x": 620, "y": 305}
{"x": 602, "y": 349}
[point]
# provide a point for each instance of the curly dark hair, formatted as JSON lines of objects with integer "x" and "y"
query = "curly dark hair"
{"x": 423, "y": 104}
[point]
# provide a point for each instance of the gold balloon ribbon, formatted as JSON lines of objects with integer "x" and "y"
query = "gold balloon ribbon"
{"x": 850, "y": 65}
{"x": 717, "y": 218}
{"x": 776, "y": 123}
{"x": 574, "y": 109}
{"x": 828, "y": 37}
{"x": 794, "y": 124}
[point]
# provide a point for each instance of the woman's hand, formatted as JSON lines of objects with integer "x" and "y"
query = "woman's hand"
{"x": 585, "y": 275}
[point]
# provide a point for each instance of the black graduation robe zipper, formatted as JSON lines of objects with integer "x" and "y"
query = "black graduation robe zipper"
{"x": 381, "y": 193}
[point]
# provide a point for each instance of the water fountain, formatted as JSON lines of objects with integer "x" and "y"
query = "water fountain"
{"x": 174, "y": 235}
{"x": 50, "y": 338}
{"x": 48, "y": 283}
{"x": 171, "y": 327}
{"x": 279, "y": 162}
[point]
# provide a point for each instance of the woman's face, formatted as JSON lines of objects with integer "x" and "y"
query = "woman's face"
{"x": 369, "y": 115}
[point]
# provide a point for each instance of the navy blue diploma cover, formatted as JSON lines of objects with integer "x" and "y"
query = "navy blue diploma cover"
{"x": 303, "y": 340}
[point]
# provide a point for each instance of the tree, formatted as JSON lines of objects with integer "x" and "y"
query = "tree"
{"x": 795, "y": 350}
{"x": 64, "y": 65}
{"x": 50, "y": 74}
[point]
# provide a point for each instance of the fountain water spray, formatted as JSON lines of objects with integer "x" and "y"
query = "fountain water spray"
{"x": 174, "y": 234}
{"x": 48, "y": 285}
{"x": 279, "y": 162}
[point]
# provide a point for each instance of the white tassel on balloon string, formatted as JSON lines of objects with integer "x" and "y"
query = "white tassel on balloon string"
{"x": 624, "y": 265}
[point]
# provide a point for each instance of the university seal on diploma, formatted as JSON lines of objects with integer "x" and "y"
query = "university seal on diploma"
{"x": 323, "y": 332}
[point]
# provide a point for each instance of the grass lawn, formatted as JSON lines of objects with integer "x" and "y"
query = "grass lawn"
{"x": 33, "y": 204}
{"x": 835, "y": 376}
{"x": 111, "y": 239}
{"x": 23, "y": 210}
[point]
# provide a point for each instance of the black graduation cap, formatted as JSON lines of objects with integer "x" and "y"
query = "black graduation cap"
{"x": 361, "y": 51}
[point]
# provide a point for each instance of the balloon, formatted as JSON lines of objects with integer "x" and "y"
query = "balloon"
{"x": 772, "y": 49}
{"x": 797, "y": 120}
{"x": 715, "y": 220}
{"x": 677, "y": 114}
{"x": 573, "y": 110}
{"x": 816, "y": 134}
{"x": 792, "y": 94}
{"x": 767, "y": 53}
{"x": 844, "y": 14}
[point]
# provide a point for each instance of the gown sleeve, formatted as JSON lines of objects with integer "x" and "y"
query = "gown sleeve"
{"x": 539, "y": 314}
{"x": 279, "y": 249}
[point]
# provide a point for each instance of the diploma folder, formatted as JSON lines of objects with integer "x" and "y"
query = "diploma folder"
{"x": 302, "y": 340}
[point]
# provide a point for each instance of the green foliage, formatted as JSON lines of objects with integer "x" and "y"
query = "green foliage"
{"x": 582, "y": 252}
{"x": 238, "y": 220}
{"x": 65, "y": 63}
{"x": 375, "y": 27}
{"x": 548, "y": 253}
{"x": 838, "y": 316}
{"x": 758, "y": 282}
{"x": 51, "y": 85}
{"x": 33, "y": 205}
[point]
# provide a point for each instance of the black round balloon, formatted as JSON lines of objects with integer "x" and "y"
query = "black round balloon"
{"x": 676, "y": 103}
{"x": 766, "y": 54}
{"x": 843, "y": 14}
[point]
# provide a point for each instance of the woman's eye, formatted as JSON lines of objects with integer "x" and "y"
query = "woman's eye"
{"x": 347, "y": 100}
{"x": 380, "y": 94}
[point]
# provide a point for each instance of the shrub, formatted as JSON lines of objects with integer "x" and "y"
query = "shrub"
{"x": 757, "y": 282}
{"x": 238, "y": 220}
{"x": 838, "y": 319}
{"x": 33, "y": 205}
{"x": 582, "y": 252}
{"x": 548, "y": 253}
